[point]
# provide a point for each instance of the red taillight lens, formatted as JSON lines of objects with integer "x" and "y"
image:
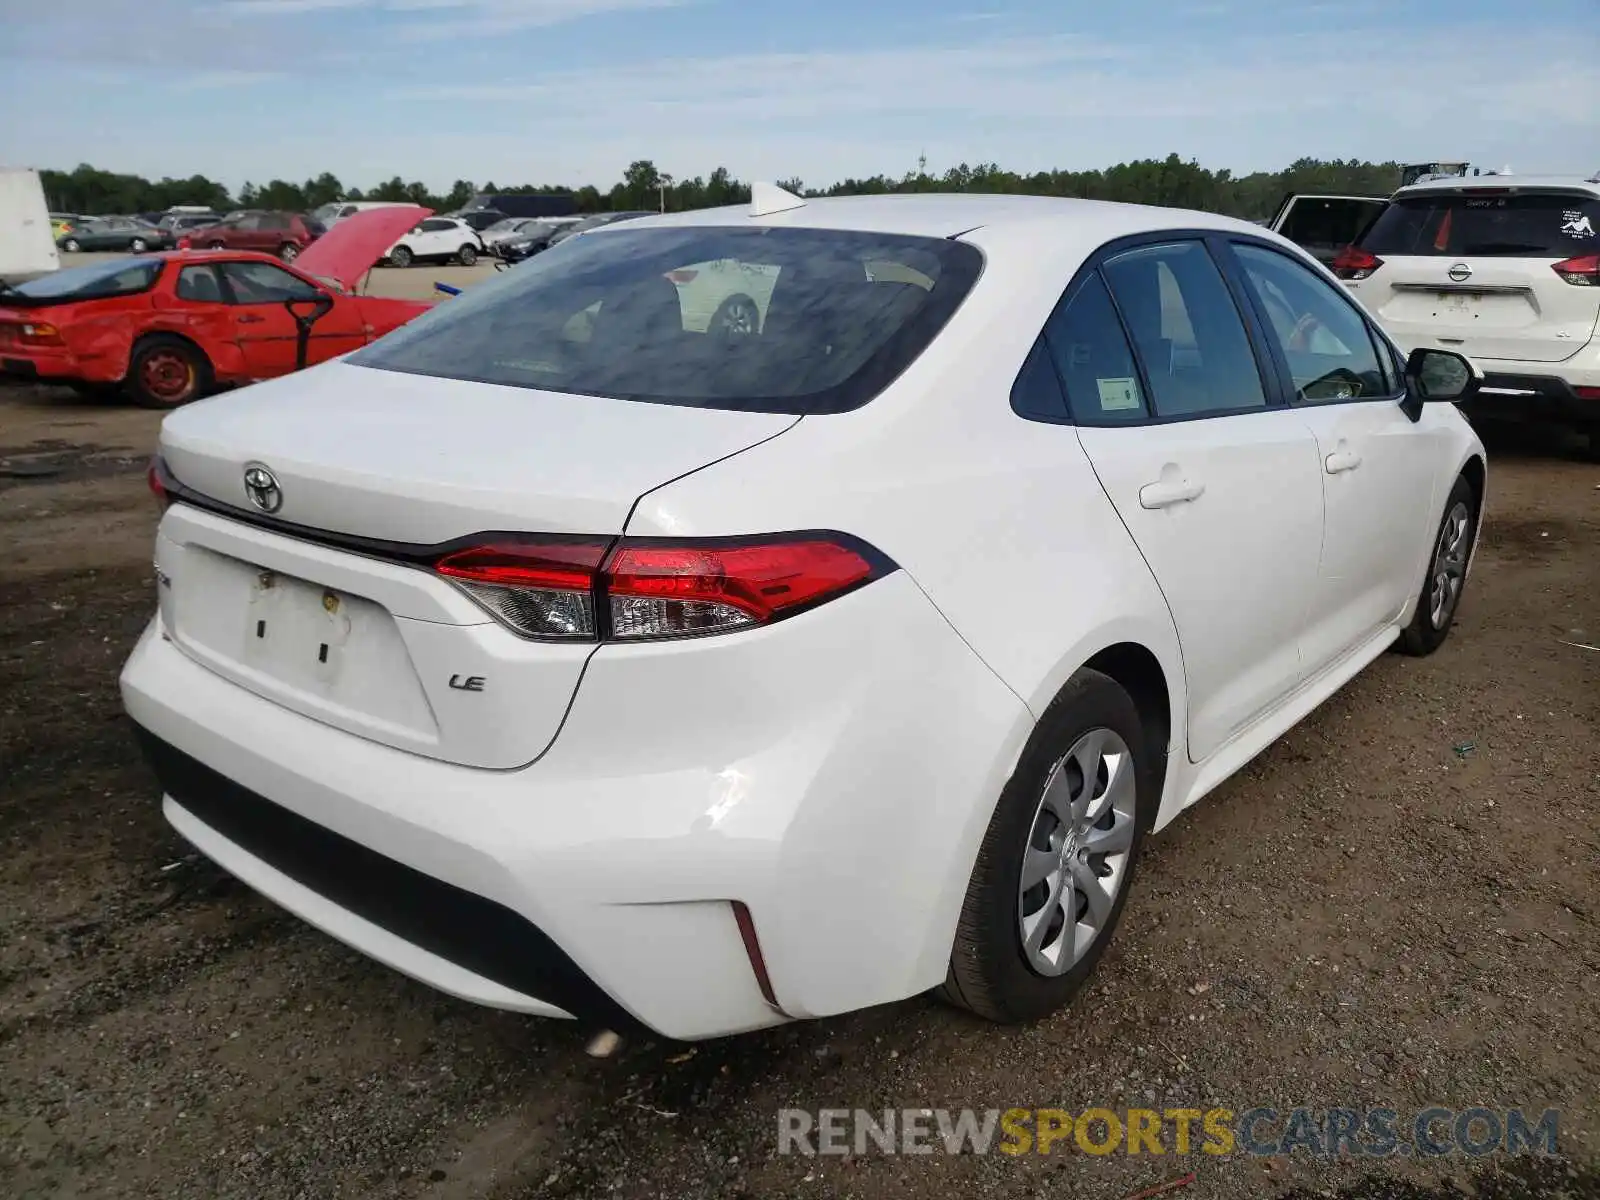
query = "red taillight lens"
{"x": 1355, "y": 263}
{"x": 682, "y": 275}
{"x": 1583, "y": 271}
{"x": 570, "y": 590}
{"x": 185, "y": 244}
{"x": 158, "y": 486}
{"x": 39, "y": 333}
{"x": 667, "y": 590}
{"x": 1586, "y": 393}
{"x": 539, "y": 588}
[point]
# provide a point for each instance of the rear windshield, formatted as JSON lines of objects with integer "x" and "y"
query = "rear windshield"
{"x": 1485, "y": 225}
{"x": 118, "y": 277}
{"x": 761, "y": 320}
{"x": 1332, "y": 222}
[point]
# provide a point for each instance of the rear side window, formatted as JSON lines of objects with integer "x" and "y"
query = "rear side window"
{"x": 1092, "y": 355}
{"x": 1486, "y": 224}
{"x": 764, "y": 320}
{"x": 1187, "y": 329}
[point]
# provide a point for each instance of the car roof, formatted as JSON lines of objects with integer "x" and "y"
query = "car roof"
{"x": 1522, "y": 183}
{"x": 947, "y": 214}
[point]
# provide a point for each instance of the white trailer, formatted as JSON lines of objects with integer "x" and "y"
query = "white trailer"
{"x": 27, "y": 245}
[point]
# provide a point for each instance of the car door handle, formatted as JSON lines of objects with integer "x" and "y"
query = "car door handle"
{"x": 250, "y": 319}
{"x": 1342, "y": 460}
{"x": 1166, "y": 493}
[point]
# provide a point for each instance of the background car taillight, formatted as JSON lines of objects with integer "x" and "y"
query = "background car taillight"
{"x": 1583, "y": 271}
{"x": 185, "y": 244}
{"x": 646, "y": 589}
{"x": 1355, "y": 263}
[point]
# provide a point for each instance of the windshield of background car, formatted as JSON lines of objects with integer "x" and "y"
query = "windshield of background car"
{"x": 1487, "y": 224}
{"x": 119, "y": 277}
{"x": 761, "y": 320}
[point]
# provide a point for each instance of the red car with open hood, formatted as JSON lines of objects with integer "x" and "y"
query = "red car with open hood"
{"x": 171, "y": 327}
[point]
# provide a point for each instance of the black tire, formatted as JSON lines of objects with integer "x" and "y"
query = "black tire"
{"x": 1427, "y": 631}
{"x": 736, "y": 316}
{"x": 215, "y": 245}
{"x": 71, "y": 245}
{"x": 1591, "y": 444}
{"x": 153, "y": 379}
{"x": 990, "y": 974}
{"x": 468, "y": 254}
{"x": 288, "y": 252}
{"x": 138, "y": 245}
{"x": 400, "y": 256}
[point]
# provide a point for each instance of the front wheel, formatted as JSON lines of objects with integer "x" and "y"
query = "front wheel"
{"x": 400, "y": 256}
{"x": 216, "y": 245}
{"x": 167, "y": 371}
{"x": 1057, "y": 860}
{"x": 467, "y": 255}
{"x": 72, "y": 245}
{"x": 288, "y": 252}
{"x": 1447, "y": 574}
{"x": 138, "y": 245}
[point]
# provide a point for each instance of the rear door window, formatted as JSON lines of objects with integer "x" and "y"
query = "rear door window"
{"x": 764, "y": 320}
{"x": 1486, "y": 224}
{"x": 1187, "y": 330}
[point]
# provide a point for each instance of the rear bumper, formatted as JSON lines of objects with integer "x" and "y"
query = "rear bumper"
{"x": 833, "y": 773}
{"x": 45, "y": 367}
{"x": 1535, "y": 396}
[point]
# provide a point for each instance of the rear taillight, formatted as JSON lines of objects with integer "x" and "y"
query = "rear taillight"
{"x": 158, "y": 487}
{"x": 1583, "y": 271}
{"x": 39, "y": 333}
{"x": 572, "y": 589}
{"x": 541, "y": 589}
{"x": 185, "y": 244}
{"x": 1354, "y": 263}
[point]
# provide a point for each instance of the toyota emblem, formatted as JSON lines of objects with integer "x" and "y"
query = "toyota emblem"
{"x": 1460, "y": 272}
{"x": 261, "y": 485}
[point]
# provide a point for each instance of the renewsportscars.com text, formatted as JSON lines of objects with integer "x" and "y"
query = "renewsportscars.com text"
{"x": 1263, "y": 1131}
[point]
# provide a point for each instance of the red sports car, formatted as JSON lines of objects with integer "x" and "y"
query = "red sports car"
{"x": 171, "y": 327}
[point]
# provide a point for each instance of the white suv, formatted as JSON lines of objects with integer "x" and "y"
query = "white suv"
{"x": 1504, "y": 269}
{"x": 438, "y": 239}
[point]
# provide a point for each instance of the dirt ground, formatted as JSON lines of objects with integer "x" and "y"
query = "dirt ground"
{"x": 1398, "y": 903}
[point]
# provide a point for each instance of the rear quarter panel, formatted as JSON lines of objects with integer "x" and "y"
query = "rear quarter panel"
{"x": 100, "y": 333}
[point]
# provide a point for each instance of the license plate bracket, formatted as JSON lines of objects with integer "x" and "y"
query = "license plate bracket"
{"x": 296, "y": 629}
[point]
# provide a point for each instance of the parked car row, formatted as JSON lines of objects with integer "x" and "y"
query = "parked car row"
{"x": 171, "y": 326}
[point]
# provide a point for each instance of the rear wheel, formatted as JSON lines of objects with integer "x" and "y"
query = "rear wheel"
{"x": 215, "y": 245}
{"x": 467, "y": 255}
{"x": 1057, "y": 861}
{"x": 1447, "y": 574}
{"x": 400, "y": 256}
{"x": 167, "y": 371}
{"x": 138, "y": 245}
{"x": 288, "y": 252}
{"x": 735, "y": 316}
{"x": 72, "y": 245}
{"x": 1592, "y": 444}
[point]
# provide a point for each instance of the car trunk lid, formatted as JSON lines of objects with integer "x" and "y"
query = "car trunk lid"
{"x": 327, "y": 605}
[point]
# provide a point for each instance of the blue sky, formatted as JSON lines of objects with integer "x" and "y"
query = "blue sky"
{"x": 573, "y": 90}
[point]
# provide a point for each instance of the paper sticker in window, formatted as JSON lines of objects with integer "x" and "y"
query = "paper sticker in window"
{"x": 1576, "y": 224}
{"x": 1118, "y": 395}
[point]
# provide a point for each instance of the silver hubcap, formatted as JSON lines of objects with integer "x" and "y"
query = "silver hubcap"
{"x": 1449, "y": 566}
{"x": 1078, "y": 852}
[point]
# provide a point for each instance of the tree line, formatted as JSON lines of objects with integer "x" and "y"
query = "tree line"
{"x": 1171, "y": 181}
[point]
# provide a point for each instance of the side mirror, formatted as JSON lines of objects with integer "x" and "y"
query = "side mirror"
{"x": 1438, "y": 375}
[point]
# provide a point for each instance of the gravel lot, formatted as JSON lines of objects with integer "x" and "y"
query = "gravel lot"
{"x": 1399, "y": 903}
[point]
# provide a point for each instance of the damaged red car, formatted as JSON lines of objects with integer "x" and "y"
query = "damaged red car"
{"x": 169, "y": 328}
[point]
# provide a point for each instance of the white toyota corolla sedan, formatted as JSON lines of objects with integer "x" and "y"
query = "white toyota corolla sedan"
{"x": 581, "y": 660}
